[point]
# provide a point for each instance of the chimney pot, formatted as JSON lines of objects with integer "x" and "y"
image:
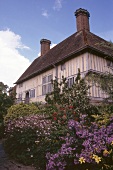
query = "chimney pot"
{"x": 45, "y": 46}
{"x": 82, "y": 19}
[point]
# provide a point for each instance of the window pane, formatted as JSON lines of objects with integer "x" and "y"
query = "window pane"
{"x": 62, "y": 67}
{"x": 20, "y": 96}
{"x": 49, "y": 88}
{"x": 32, "y": 93}
{"x": 49, "y": 78}
{"x": 44, "y": 80}
{"x": 70, "y": 82}
{"x": 46, "y": 84}
{"x": 43, "y": 89}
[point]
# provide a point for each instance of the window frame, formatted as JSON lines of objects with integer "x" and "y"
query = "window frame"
{"x": 46, "y": 84}
{"x": 69, "y": 79}
{"x": 32, "y": 93}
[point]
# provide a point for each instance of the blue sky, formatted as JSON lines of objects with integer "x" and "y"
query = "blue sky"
{"x": 23, "y": 23}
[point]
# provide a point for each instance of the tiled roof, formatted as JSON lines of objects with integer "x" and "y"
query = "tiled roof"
{"x": 72, "y": 45}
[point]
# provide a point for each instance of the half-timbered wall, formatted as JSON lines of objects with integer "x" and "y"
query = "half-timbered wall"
{"x": 68, "y": 69}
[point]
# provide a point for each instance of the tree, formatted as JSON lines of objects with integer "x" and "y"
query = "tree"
{"x": 3, "y": 88}
{"x": 69, "y": 102}
{"x": 104, "y": 81}
{"x": 5, "y": 100}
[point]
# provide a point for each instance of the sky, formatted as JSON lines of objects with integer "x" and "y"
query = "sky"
{"x": 23, "y": 23}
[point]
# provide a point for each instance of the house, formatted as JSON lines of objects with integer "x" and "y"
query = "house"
{"x": 83, "y": 50}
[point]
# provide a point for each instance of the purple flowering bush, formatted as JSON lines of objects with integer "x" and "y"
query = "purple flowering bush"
{"x": 85, "y": 147}
{"x": 27, "y": 139}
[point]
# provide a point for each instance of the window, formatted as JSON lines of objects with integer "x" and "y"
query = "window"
{"x": 32, "y": 93}
{"x": 109, "y": 63}
{"x": 20, "y": 85}
{"x": 63, "y": 67}
{"x": 20, "y": 96}
{"x": 70, "y": 82}
{"x": 46, "y": 84}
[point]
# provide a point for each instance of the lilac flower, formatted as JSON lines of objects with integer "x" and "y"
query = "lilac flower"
{"x": 85, "y": 144}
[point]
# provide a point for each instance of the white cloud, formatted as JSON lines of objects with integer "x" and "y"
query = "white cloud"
{"x": 57, "y": 5}
{"x": 45, "y": 13}
{"x": 52, "y": 45}
{"x": 12, "y": 63}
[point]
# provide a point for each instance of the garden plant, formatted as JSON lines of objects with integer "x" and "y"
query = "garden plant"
{"x": 70, "y": 132}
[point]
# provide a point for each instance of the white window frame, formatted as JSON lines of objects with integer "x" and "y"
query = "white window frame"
{"x": 32, "y": 93}
{"x": 63, "y": 67}
{"x": 20, "y": 96}
{"x": 71, "y": 81}
{"x": 46, "y": 84}
{"x": 109, "y": 63}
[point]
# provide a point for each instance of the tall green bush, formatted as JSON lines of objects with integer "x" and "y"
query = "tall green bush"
{"x": 67, "y": 102}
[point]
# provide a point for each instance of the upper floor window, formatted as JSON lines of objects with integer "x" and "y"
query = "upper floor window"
{"x": 20, "y": 85}
{"x": 32, "y": 93}
{"x": 46, "y": 84}
{"x": 63, "y": 67}
{"x": 109, "y": 63}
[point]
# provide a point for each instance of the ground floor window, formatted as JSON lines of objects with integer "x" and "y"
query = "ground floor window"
{"x": 20, "y": 96}
{"x": 32, "y": 93}
{"x": 70, "y": 82}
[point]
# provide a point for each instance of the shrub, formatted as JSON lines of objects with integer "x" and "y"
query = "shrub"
{"x": 20, "y": 110}
{"x": 1, "y": 130}
{"x": 72, "y": 99}
{"x": 66, "y": 138}
{"x": 27, "y": 139}
{"x": 84, "y": 148}
{"x": 104, "y": 114}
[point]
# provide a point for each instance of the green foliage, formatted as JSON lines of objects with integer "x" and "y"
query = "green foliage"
{"x": 1, "y": 130}
{"x": 66, "y": 103}
{"x": 105, "y": 113}
{"x": 21, "y": 146}
{"x": 19, "y": 110}
{"x": 29, "y": 138}
{"x": 3, "y": 88}
{"x": 30, "y": 135}
{"x": 5, "y": 102}
{"x": 104, "y": 81}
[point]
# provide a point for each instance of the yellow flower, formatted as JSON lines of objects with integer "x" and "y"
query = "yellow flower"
{"x": 82, "y": 160}
{"x": 112, "y": 143}
{"x": 96, "y": 158}
{"x": 105, "y": 152}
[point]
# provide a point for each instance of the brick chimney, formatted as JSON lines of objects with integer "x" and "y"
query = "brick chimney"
{"x": 82, "y": 19}
{"x": 45, "y": 46}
